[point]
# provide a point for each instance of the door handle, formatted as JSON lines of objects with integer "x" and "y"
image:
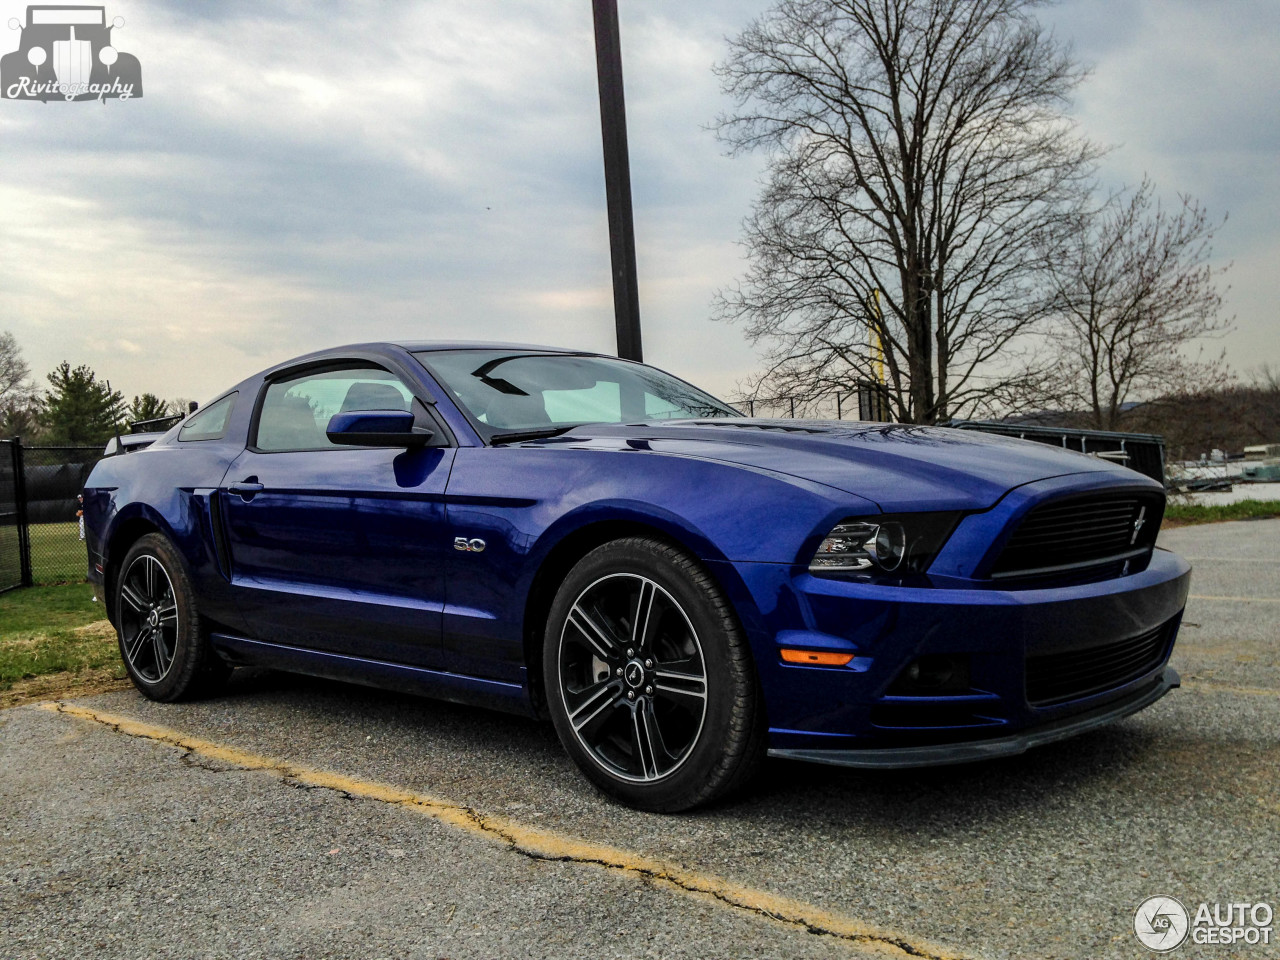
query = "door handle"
{"x": 246, "y": 488}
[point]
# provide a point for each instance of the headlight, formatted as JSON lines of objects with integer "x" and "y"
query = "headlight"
{"x": 899, "y": 544}
{"x": 36, "y": 56}
{"x": 108, "y": 55}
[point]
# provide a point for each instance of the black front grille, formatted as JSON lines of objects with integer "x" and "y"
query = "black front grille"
{"x": 1058, "y": 677}
{"x": 1081, "y": 532}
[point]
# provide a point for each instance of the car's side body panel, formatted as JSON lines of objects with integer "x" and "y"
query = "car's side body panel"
{"x": 170, "y": 489}
{"x": 343, "y": 550}
{"x": 524, "y": 500}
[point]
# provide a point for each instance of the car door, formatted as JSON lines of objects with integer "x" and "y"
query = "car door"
{"x": 337, "y": 548}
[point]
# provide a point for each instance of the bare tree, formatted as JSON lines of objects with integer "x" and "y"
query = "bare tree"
{"x": 1267, "y": 377}
{"x": 14, "y": 371}
{"x": 1133, "y": 291}
{"x": 919, "y": 157}
{"x": 19, "y": 403}
{"x": 1224, "y": 415}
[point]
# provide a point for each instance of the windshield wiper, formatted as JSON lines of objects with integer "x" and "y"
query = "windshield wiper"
{"x": 518, "y": 436}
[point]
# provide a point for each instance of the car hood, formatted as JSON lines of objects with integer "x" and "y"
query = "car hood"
{"x": 898, "y": 466}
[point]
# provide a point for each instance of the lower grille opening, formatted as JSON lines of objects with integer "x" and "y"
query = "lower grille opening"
{"x": 1072, "y": 674}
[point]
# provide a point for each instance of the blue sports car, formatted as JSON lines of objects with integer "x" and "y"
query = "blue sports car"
{"x": 681, "y": 590}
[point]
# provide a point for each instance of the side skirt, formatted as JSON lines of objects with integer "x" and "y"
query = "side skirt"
{"x": 454, "y": 687}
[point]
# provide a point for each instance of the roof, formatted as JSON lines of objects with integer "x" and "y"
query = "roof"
{"x": 432, "y": 345}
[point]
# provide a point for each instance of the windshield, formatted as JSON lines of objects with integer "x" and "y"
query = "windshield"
{"x": 504, "y": 391}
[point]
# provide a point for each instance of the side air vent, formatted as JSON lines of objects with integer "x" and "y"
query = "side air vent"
{"x": 1082, "y": 532}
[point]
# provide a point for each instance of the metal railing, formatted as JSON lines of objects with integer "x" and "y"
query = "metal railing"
{"x": 866, "y": 401}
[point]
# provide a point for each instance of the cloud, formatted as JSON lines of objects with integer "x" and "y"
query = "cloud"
{"x": 1185, "y": 91}
{"x": 304, "y": 174}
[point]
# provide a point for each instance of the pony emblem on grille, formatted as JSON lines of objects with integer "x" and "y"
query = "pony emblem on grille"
{"x": 1137, "y": 524}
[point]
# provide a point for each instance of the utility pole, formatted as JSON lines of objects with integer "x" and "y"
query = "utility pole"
{"x": 617, "y": 180}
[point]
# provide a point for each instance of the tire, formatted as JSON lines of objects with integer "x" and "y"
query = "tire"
{"x": 649, "y": 680}
{"x": 163, "y": 642}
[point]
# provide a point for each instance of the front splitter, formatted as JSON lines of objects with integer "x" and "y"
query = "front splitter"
{"x": 942, "y": 754}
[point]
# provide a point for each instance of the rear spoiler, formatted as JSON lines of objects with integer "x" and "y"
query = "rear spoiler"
{"x": 130, "y": 443}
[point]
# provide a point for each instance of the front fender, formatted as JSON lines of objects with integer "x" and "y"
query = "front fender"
{"x": 524, "y": 502}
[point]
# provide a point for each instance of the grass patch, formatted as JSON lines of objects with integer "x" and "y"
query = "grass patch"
{"x": 57, "y": 553}
{"x": 1183, "y": 514}
{"x": 53, "y": 629}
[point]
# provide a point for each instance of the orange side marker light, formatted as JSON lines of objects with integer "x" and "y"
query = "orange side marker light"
{"x": 817, "y": 658}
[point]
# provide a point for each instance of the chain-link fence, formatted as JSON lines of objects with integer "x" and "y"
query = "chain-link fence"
{"x": 54, "y": 477}
{"x": 39, "y": 523}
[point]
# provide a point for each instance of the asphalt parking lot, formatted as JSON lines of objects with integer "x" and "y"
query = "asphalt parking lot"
{"x": 300, "y": 818}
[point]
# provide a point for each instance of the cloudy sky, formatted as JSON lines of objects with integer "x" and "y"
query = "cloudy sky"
{"x": 302, "y": 174}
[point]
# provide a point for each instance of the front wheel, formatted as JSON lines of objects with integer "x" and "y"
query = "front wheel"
{"x": 649, "y": 680}
{"x": 163, "y": 641}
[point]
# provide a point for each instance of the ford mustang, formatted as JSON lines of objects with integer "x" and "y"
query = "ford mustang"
{"x": 680, "y": 589}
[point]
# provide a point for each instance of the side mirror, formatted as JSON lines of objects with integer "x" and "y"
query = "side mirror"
{"x": 375, "y": 428}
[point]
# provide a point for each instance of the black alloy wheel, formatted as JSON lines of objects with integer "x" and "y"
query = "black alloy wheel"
{"x": 649, "y": 681}
{"x": 164, "y": 642}
{"x": 632, "y": 677}
{"x": 148, "y": 618}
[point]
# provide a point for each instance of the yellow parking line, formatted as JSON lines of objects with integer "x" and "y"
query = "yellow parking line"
{"x": 539, "y": 843}
{"x": 1201, "y": 596}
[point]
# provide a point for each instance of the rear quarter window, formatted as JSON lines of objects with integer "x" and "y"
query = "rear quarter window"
{"x": 209, "y": 423}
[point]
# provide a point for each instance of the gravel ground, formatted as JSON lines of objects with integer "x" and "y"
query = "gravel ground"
{"x": 116, "y": 846}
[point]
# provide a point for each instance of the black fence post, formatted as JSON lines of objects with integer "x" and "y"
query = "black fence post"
{"x": 20, "y": 498}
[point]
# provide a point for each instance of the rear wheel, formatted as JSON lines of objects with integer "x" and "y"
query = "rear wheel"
{"x": 649, "y": 680}
{"x": 163, "y": 642}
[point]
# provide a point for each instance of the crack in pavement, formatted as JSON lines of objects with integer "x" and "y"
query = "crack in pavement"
{"x": 531, "y": 842}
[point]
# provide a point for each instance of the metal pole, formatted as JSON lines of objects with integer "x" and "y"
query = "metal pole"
{"x": 617, "y": 179}
{"x": 20, "y": 496}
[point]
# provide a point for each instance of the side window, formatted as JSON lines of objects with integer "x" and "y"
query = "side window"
{"x": 296, "y": 411}
{"x": 209, "y": 423}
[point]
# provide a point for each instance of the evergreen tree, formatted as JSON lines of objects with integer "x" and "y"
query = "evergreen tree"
{"x": 148, "y": 407}
{"x": 78, "y": 409}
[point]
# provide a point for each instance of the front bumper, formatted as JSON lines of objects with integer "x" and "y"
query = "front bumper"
{"x": 823, "y": 712}
{"x": 889, "y": 758}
